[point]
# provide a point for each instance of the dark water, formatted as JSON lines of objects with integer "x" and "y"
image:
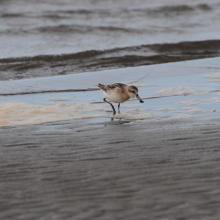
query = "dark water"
{"x": 45, "y": 38}
{"x": 52, "y": 65}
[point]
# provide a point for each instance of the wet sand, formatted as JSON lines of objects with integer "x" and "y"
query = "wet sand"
{"x": 82, "y": 169}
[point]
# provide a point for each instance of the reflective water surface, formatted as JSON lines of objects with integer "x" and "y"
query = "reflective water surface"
{"x": 48, "y": 38}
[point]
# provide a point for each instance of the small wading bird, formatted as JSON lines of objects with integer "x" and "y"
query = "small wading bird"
{"x": 119, "y": 93}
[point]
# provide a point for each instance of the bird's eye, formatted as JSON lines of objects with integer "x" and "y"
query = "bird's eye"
{"x": 133, "y": 91}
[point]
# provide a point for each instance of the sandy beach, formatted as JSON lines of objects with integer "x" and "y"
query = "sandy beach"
{"x": 122, "y": 170}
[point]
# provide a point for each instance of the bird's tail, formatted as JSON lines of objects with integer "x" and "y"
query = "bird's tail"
{"x": 101, "y": 86}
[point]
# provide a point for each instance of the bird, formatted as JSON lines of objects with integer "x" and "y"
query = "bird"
{"x": 119, "y": 93}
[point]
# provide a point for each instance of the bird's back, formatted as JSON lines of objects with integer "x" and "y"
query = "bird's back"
{"x": 115, "y": 92}
{"x": 111, "y": 86}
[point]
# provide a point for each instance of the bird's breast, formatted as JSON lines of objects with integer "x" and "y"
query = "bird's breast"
{"x": 116, "y": 96}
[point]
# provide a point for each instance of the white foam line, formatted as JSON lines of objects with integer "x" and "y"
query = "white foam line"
{"x": 193, "y": 109}
{"x": 59, "y": 99}
{"x": 188, "y": 102}
{"x": 182, "y": 91}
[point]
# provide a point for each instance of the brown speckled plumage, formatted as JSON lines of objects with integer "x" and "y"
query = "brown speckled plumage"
{"x": 119, "y": 93}
{"x": 112, "y": 86}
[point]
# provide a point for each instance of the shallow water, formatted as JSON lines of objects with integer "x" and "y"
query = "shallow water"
{"x": 191, "y": 94}
{"x": 49, "y": 38}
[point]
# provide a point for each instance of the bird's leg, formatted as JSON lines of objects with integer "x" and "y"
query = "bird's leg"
{"x": 119, "y": 108}
{"x": 114, "y": 112}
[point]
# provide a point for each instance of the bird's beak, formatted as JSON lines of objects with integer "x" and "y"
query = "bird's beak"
{"x": 141, "y": 101}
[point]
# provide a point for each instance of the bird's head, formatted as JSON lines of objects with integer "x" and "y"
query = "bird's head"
{"x": 133, "y": 92}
